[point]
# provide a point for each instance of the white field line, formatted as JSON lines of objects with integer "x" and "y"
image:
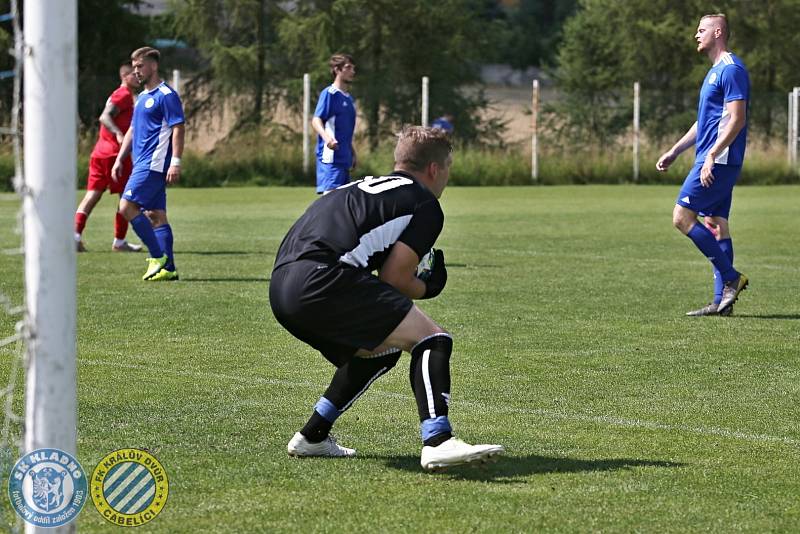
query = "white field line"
{"x": 608, "y": 420}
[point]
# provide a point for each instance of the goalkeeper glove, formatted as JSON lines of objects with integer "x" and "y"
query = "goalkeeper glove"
{"x": 438, "y": 277}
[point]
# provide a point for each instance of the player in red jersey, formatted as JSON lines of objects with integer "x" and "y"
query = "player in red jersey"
{"x": 114, "y": 122}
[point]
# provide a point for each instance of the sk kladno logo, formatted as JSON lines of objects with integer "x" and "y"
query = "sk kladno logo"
{"x": 129, "y": 487}
{"x": 47, "y": 487}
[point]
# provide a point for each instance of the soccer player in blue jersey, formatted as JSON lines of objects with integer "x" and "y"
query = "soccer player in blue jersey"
{"x": 156, "y": 138}
{"x": 719, "y": 137}
{"x": 334, "y": 121}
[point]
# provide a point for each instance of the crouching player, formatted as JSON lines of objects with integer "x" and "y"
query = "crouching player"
{"x": 323, "y": 291}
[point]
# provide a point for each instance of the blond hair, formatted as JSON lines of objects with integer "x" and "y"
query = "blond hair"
{"x": 726, "y": 32}
{"x": 418, "y": 146}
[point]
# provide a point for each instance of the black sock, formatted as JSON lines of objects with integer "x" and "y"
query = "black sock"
{"x": 437, "y": 440}
{"x": 317, "y": 428}
{"x": 430, "y": 375}
{"x": 349, "y": 382}
{"x": 352, "y": 379}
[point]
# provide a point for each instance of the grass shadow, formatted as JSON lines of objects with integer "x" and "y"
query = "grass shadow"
{"x": 229, "y": 279}
{"x": 791, "y": 316}
{"x": 514, "y": 469}
{"x": 220, "y": 252}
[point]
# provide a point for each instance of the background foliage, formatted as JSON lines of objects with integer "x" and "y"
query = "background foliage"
{"x": 608, "y": 45}
{"x": 246, "y": 56}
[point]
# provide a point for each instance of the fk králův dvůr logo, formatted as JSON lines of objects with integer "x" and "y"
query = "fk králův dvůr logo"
{"x": 47, "y": 487}
{"x": 129, "y": 487}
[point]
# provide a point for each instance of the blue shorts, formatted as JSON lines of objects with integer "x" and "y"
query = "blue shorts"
{"x": 713, "y": 201}
{"x": 148, "y": 189}
{"x": 330, "y": 176}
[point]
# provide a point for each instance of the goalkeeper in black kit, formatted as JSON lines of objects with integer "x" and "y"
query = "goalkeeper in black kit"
{"x": 324, "y": 292}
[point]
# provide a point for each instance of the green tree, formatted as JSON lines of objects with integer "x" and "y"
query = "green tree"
{"x": 535, "y": 31}
{"x": 6, "y": 64}
{"x": 609, "y": 44}
{"x": 108, "y": 31}
{"x": 394, "y": 44}
{"x": 236, "y": 39}
{"x": 766, "y": 34}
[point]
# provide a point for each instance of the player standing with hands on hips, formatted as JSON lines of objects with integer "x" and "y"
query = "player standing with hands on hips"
{"x": 156, "y": 138}
{"x": 335, "y": 121}
{"x": 324, "y": 292}
{"x": 719, "y": 137}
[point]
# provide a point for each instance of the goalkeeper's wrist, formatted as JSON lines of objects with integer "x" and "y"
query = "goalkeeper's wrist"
{"x": 431, "y": 290}
{"x": 175, "y": 161}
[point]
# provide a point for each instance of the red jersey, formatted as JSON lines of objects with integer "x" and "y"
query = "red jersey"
{"x": 107, "y": 145}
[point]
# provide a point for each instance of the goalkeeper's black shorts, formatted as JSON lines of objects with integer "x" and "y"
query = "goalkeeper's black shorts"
{"x": 335, "y": 308}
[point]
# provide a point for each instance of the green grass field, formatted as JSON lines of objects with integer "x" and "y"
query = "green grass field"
{"x": 571, "y": 349}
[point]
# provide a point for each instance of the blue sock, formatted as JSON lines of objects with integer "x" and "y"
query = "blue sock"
{"x": 326, "y": 409}
{"x": 141, "y": 225}
{"x": 727, "y": 247}
{"x": 164, "y": 235}
{"x": 704, "y": 240}
{"x": 434, "y": 426}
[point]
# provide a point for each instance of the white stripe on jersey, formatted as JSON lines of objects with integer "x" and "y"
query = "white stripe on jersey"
{"x": 727, "y": 58}
{"x": 376, "y": 240}
{"x": 722, "y": 157}
{"x": 160, "y": 153}
{"x": 330, "y": 128}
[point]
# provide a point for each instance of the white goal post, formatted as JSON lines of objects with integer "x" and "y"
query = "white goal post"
{"x": 50, "y": 125}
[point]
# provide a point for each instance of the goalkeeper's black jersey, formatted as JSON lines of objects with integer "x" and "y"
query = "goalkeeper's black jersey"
{"x": 357, "y": 224}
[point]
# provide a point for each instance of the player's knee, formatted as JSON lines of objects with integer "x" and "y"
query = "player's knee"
{"x": 157, "y": 217}
{"x": 682, "y": 222}
{"x": 128, "y": 210}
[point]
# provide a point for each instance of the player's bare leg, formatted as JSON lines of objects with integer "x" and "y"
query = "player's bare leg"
{"x": 430, "y": 347}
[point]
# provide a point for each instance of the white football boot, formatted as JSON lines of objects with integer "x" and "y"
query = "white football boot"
{"x": 300, "y": 446}
{"x": 456, "y": 452}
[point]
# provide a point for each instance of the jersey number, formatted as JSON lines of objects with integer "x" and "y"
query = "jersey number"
{"x": 373, "y": 185}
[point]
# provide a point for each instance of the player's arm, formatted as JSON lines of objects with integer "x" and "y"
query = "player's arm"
{"x": 355, "y": 156}
{"x": 174, "y": 171}
{"x": 107, "y": 120}
{"x": 688, "y": 140}
{"x": 737, "y": 109}
{"x": 328, "y": 139}
{"x": 124, "y": 151}
{"x": 400, "y": 271}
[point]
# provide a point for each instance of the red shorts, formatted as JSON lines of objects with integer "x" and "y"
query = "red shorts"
{"x": 100, "y": 174}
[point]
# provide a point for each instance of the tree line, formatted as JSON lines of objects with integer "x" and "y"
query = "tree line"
{"x": 254, "y": 52}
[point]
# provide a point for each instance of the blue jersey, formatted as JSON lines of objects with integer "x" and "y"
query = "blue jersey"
{"x": 725, "y": 82}
{"x": 338, "y": 113}
{"x": 154, "y": 115}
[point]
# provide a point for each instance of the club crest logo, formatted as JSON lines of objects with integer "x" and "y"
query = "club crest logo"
{"x": 47, "y": 488}
{"x": 129, "y": 487}
{"x": 712, "y": 78}
{"x": 149, "y": 102}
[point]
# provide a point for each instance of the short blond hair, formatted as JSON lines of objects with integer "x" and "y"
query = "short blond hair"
{"x": 146, "y": 52}
{"x": 418, "y": 146}
{"x": 726, "y": 31}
